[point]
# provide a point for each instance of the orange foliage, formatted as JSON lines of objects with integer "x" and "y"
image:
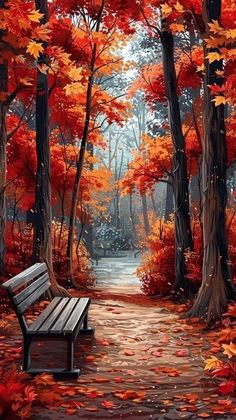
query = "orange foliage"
{"x": 150, "y": 164}
{"x": 153, "y": 162}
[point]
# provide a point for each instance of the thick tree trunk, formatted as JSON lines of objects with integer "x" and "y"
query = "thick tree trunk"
{"x": 3, "y": 157}
{"x": 183, "y": 236}
{"x": 216, "y": 289}
{"x": 145, "y": 214}
{"x": 43, "y": 211}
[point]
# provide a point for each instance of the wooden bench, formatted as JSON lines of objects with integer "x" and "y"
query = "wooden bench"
{"x": 62, "y": 319}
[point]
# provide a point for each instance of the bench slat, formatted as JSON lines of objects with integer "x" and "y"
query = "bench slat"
{"x": 45, "y": 327}
{"x": 44, "y": 315}
{"x": 30, "y": 289}
{"x": 24, "y": 277}
{"x": 78, "y": 314}
{"x": 33, "y": 297}
{"x": 64, "y": 316}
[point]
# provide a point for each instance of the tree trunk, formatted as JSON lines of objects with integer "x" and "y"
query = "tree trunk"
{"x": 88, "y": 229}
{"x": 80, "y": 160}
{"x": 3, "y": 156}
{"x": 216, "y": 289}
{"x": 3, "y": 165}
{"x": 79, "y": 168}
{"x": 145, "y": 214}
{"x": 131, "y": 213}
{"x": 183, "y": 236}
{"x": 169, "y": 208}
{"x": 154, "y": 205}
{"x": 43, "y": 210}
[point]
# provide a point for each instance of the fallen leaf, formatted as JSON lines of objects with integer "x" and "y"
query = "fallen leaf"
{"x": 227, "y": 387}
{"x": 107, "y": 404}
{"x": 90, "y": 358}
{"x": 129, "y": 352}
{"x": 229, "y": 349}
{"x": 181, "y": 353}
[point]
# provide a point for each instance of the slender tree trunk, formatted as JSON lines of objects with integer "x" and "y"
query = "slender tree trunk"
{"x": 3, "y": 155}
{"x": 145, "y": 214}
{"x": 80, "y": 160}
{"x": 216, "y": 289}
{"x": 169, "y": 208}
{"x": 88, "y": 229}
{"x": 43, "y": 210}
{"x": 154, "y": 206}
{"x": 3, "y": 166}
{"x": 131, "y": 212}
{"x": 79, "y": 168}
{"x": 183, "y": 236}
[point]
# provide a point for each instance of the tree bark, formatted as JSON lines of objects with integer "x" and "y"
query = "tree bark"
{"x": 3, "y": 156}
{"x": 43, "y": 210}
{"x": 216, "y": 289}
{"x": 183, "y": 236}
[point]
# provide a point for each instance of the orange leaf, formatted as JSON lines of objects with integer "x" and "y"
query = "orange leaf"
{"x": 229, "y": 349}
{"x": 107, "y": 404}
{"x": 35, "y": 48}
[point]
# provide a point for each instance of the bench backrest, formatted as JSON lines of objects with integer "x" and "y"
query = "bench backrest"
{"x": 38, "y": 279}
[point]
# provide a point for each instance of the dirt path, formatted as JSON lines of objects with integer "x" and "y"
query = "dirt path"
{"x": 143, "y": 362}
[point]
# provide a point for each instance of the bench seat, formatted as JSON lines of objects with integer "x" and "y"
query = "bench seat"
{"x": 61, "y": 316}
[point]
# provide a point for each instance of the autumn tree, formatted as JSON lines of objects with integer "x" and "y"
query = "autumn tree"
{"x": 216, "y": 289}
{"x": 19, "y": 21}
{"x": 43, "y": 210}
{"x": 183, "y": 237}
{"x": 3, "y": 143}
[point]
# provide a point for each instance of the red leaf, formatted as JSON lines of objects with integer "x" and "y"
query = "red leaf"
{"x": 223, "y": 372}
{"x": 227, "y": 387}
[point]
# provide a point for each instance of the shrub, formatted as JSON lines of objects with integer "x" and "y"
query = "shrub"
{"x": 156, "y": 271}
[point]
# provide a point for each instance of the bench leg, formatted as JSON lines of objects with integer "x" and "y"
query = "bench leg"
{"x": 26, "y": 356}
{"x": 70, "y": 355}
{"x": 86, "y": 329}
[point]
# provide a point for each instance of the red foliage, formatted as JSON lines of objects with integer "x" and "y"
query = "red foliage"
{"x": 156, "y": 271}
{"x": 19, "y": 252}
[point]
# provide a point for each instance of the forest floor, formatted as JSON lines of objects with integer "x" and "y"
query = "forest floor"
{"x": 144, "y": 361}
